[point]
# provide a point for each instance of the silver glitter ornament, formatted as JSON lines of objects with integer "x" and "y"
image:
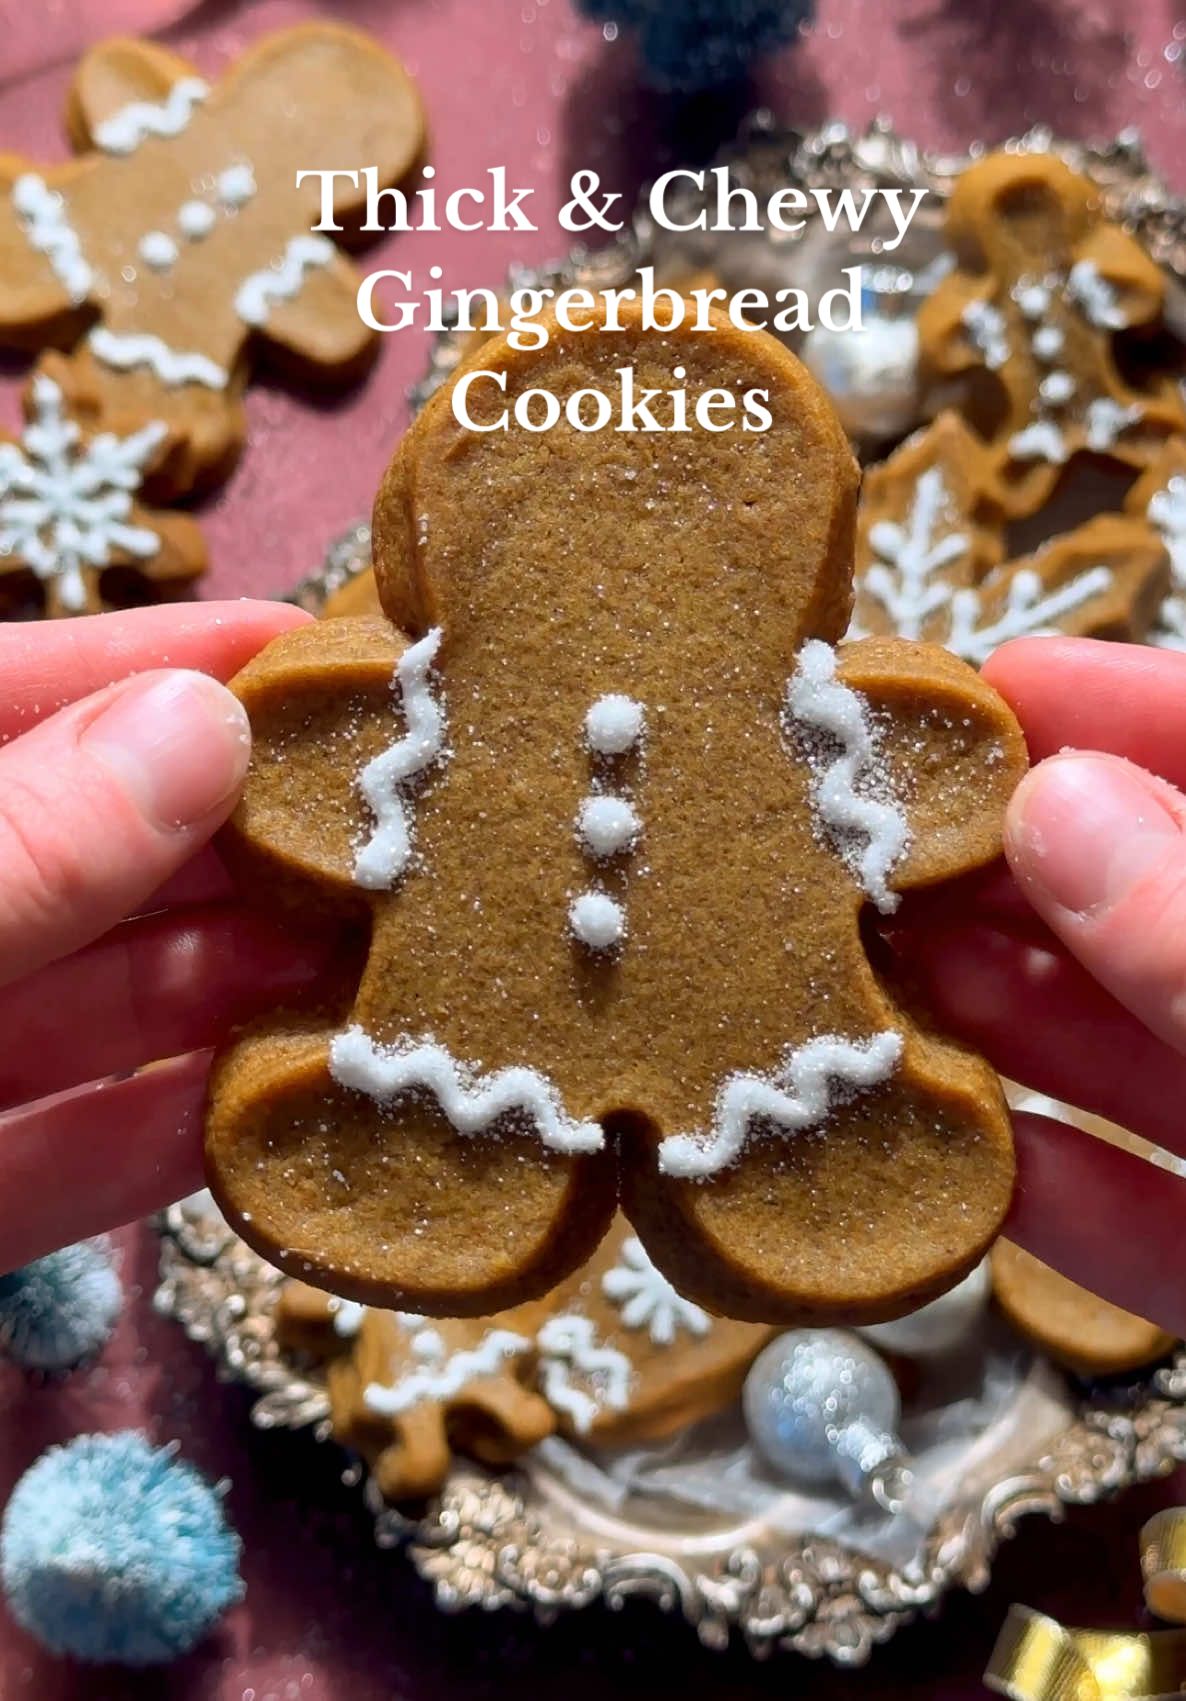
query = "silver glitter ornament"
{"x": 871, "y": 373}
{"x": 822, "y": 1407}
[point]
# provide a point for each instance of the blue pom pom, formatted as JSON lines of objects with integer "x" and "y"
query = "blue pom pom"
{"x": 114, "y": 1550}
{"x": 60, "y": 1309}
{"x": 691, "y": 45}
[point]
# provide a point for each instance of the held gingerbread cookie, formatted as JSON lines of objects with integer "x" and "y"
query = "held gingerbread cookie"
{"x": 614, "y": 808}
{"x": 74, "y": 539}
{"x": 930, "y": 558}
{"x": 1043, "y": 288}
{"x": 179, "y": 241}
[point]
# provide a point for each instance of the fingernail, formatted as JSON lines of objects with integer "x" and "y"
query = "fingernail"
{"x": 1084, "y": 830}
{"x": 178, "y": 742}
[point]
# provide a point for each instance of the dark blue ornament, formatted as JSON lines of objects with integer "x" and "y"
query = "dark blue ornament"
{"x": 691, "y": 45}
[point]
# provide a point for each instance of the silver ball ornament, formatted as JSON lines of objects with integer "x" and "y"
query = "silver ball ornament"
{"x": 823, "y": 1408}
{"x": 870, "y": 372}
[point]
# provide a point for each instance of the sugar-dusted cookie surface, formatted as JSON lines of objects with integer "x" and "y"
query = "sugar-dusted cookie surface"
{"x": 1075, "y": 1327}
{"x": 1043, "y": 288}
{"x": 74, "y": 536}
{"x": 931, "y": 558}
{"x": 178, "y": 239}
{"x": 614, "y": 812}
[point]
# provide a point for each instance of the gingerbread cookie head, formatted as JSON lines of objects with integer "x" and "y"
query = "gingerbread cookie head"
{"x": 614, "y": 811}
{"x": 180, "y": 237}
{"x": 930, "y": 558}
{"x": 413, "y": 1391}
{"x": 74, "y": 537}
{"x": 1043, "y": 288}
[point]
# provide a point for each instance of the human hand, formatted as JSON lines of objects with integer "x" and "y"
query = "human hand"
{"x": 1070, "y": 973}
{"x": 115, "y": 769}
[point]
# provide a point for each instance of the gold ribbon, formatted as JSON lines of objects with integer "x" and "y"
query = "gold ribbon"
{"x": 1038, "y": 1659}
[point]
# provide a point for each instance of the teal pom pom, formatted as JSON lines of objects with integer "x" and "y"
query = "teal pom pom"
{"x": 61, "y": 1309}
{"x": 114, "y": 1550}
{"x": 692, "y": 45}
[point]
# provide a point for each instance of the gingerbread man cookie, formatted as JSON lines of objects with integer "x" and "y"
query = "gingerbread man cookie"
{"x": 1076, "y": 1328}
{"x": 1043, "y": 288}
{"x": 179, "y": 241}
{"x": 74, "y": 539}
{"x": 613, "y": 809}
{"x": 930, "y": 558}
{"x": 413, "y": 1391}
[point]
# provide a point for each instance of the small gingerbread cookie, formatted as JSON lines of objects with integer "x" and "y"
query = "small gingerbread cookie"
{"x": 315, "y": 1323}
{"x": 1160, "y": 498}
{"x": 1074, "y": 1327}
{"x": 930, "y": 558}
{"x": 614, "y": 808}
{"x": 1043, "y": 288}
{"x": 359, "y": 595}
{"x": 623, "y": 1357}
{"x": 179, "y": 240}
{"x": 74, "y": 537}
{"x": 413, "y": 1391}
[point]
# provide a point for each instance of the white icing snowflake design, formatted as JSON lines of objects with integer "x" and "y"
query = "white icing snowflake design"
{"x": 646, "y": 1299}
{"x": 906, "y": 580}
{"x": 65, "y": 505}
{"x": 1167, "y": 510}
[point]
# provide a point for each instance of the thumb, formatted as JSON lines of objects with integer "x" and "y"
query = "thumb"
{"x": 1098, "y": 846}
{"x": 103, "y": 801}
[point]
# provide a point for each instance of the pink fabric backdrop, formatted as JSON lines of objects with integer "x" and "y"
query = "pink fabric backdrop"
{"x": 525, "y": 84}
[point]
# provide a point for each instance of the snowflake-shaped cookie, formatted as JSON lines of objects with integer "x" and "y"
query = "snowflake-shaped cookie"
{"x": 621, "y": 687}
{"x": 69, "y": 514}
{"x": 1044, "y": 287}
{"x": 647, "y": 1300}
{"x": 931, "y": 558}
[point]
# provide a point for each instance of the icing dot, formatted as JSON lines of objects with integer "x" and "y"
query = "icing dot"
{"x": 607, "y": 825}
{"x": 613, "y": 724}
{"x": 1048, "y": 341}
{"x": 1057, "y": 388}
{"x": 196, "y": 219}
{"x": 236, "y": 185}
{"x": 1033, "y": 299}
{"x": 597, "y": 921}
{"x": 158, "y": 250}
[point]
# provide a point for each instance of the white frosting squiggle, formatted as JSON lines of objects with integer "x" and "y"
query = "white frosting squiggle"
{"x": 125, "y": 350}
{"x": 124, "y": 131}
{"x": 818, "y": 700}
{"x": 645, "y": 1297}
{"x": 256, "y": 294}
{"x": 385, "y": 855}
{"x": 42, "y": 212}
{"x": 1096, "y": 298}
{"x": 443, "y": 1377}
{"x": 799, "y": 1097}
{"x": 472, "y": 1102}
{"x": 1027, "y": 612}
{"x": 569, "y": 1343}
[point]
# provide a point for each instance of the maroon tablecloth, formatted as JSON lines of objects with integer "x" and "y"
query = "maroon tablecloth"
{"x": 523, "y": 83}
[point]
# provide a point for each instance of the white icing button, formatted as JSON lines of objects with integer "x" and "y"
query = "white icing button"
{"x": 597, "y": 921}
{"x": 158, "y": 250}
{"x": 613, "y": 724}
{"x": 196, "y": 219}
{"x": 607, "y": 825}
{"x": 1048, "y": 341}
{"x": 1057, "y": 388}
{"x": 236, "y": 185}
{"x": 1033, "y": 299}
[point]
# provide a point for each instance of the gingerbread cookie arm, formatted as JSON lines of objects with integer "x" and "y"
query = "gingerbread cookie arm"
{"x": 46, "y": 282}
{"x": 307, "y": 311}
{"x": 1134, "y": 284}
{"x": 125, "y": 90}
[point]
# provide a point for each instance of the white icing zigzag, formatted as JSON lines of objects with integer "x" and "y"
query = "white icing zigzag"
{"x": 64, "y": 505}
{"x": 472, "y": 1102}
{"x": 42, "y": 212}
{"x": 124, "y": 131}
{"x": 385, "y": 855}
{"x": 810, "y": 1074}
{"x": 840, "y": 793}
{"x": 644, "y": 1296}
{"x": 281, "y": 282}
{"x": 1095, "y": 297}
{"x": 567, "y": 1344}
{"x": 443, "y": 1376}
{"x": 172, "y": 366}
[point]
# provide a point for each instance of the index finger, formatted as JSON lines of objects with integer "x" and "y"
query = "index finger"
{"x": 44, "y": 665}
{"x": 1088, "y": 694}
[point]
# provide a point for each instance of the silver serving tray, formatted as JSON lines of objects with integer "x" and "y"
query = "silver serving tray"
{"x": 525, "y": 1539}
